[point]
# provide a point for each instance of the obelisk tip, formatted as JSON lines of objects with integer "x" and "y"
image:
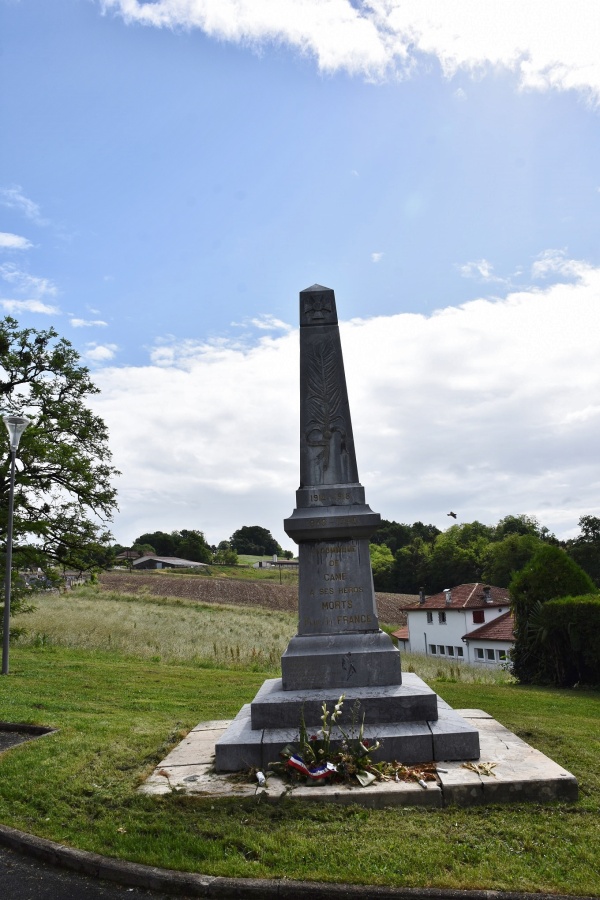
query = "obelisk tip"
{"x": 317, "y": 306}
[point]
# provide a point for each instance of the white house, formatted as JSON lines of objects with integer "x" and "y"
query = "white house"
{"x": 470, "y": 623}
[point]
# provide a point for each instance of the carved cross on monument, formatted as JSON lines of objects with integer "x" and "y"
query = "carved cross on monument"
{"x": 339, "y": 642}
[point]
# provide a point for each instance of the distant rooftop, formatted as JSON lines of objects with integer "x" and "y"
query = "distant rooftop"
{"x": 499, "y": 629}
{"x": 465, "y": 596}
{"x": 168, "y": 560}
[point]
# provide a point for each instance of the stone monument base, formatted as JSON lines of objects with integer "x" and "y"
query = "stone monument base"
{"x": 275, "y": 708}
{"x": 411, "y": 722}
{"x": 312, "y": 662}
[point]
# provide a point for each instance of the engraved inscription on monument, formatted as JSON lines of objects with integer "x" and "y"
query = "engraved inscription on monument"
{"x": 338, "y": 587}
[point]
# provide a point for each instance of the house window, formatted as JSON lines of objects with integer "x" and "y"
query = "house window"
{"x": 441, "y": 650}
{"x": 429, "y": 618}
{"x": 490, "y": 654}
{"x": 502, "y": 655}
{"x": 478, "y": 616}
{"x": 433, "y": 649}
{"x": 460, "y": 652}
{"x": 450, "y": 651}
{"x": 479, "y": 652}
{"x": 442, "y": 617}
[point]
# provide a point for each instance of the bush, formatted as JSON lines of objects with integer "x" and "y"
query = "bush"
{"x": 550, "y": 574}
{"x": 570, "y": 640}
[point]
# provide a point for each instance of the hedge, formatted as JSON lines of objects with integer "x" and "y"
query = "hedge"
{"x": 569, "y": 643}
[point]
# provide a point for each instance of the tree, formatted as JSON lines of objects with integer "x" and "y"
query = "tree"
{"x": 450, "y": 564}
{"x": 64, "y": 496}
{"x": 411, "y": 566}
{"x": 382, "y": 564}
{"x": 523, "y": 524}
{"x": 396, "y": 535}
{"x": 503, "y": 559}
{"x": 254, "y": 541}
{"x": 143, "y": 549}
{"x": 225, "y": 556}
{"x": 550, "y": 574}
{"x": 192, "y": 545}
{"x": 163, "y": 543}
{"x": 187, "y": 544}
{"x": 585, "y": 549}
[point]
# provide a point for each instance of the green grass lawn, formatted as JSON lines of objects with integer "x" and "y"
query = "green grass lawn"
{"x": 118, "y": 715}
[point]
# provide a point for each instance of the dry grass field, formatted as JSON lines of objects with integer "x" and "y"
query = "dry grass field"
{"x": 188, "y": 630}
{"x": 160, "y": 628}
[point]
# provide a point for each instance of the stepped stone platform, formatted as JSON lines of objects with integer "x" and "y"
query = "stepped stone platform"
{"x": 520, "y": 774}
{"x": 412, "y": 723}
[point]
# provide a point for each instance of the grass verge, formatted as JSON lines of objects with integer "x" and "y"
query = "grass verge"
{"x": 118, "y": 716}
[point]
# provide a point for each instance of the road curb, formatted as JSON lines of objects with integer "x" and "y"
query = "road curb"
{"x": 211, "y": 886}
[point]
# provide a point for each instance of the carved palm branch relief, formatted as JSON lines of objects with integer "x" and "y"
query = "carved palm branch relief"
{"x": 323, "y": 389}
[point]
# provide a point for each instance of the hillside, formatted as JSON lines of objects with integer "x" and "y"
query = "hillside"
{"x": 237, "y": 593}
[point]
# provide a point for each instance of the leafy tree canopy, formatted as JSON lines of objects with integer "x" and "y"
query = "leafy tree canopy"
{"x": 503, "y": 559}
{"x": 396, "y": 535}
{"x": 255, "y": 541}
{"x": 64, "y": 496}
{"x": 184, "y": 544}
{"x": 426, "y": 557}
{"x": 225, "y": 556}
{"x": 585, "y": 549}
{"x": 382, "y": 564}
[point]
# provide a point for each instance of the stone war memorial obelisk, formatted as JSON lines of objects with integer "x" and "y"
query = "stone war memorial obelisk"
{"x": 339, "y": 648}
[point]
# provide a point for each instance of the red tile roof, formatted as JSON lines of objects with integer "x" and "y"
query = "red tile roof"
{"x": 465, "y": 596}
{"x": 401, "y": 633}
{"x": 499, "y": 629}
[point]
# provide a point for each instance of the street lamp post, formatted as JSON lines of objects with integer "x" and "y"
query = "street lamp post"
{"x": 16, "y": 425}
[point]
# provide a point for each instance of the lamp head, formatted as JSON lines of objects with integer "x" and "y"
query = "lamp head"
{"x": 15, "y": 425}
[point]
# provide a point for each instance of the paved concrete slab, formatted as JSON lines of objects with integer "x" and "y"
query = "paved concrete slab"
{"x": 199, "y": 745}
{"x": 520, "y": 772}
{"x": 219, "y": 724}
{"x": 516, "y": 771}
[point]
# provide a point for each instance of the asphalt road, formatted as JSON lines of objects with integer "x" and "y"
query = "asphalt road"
{"x": 24, "y": 878}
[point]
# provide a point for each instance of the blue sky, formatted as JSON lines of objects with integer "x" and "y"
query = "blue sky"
{"x": 172, "y": 174}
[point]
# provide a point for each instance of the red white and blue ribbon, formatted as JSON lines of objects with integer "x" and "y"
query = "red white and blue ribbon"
{"x": 315, "y": 772}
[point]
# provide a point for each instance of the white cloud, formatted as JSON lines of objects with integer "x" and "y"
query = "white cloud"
{"x": 555, "y": 262}
{"x": 87, "y": 323}
{"x": 34, "y": 306}
{"x": 377, "y": 257}
{"x": 480, "y": 269}
{"x": 10, "y": 241}
{"x": 14, "y": 198}
{"x": 100, "y": 353}
{"x": 25, "y": 283}
{"x": 490, "y": 408}
{"x": 266, "y": 322}
{"x": 548, "y": 43}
